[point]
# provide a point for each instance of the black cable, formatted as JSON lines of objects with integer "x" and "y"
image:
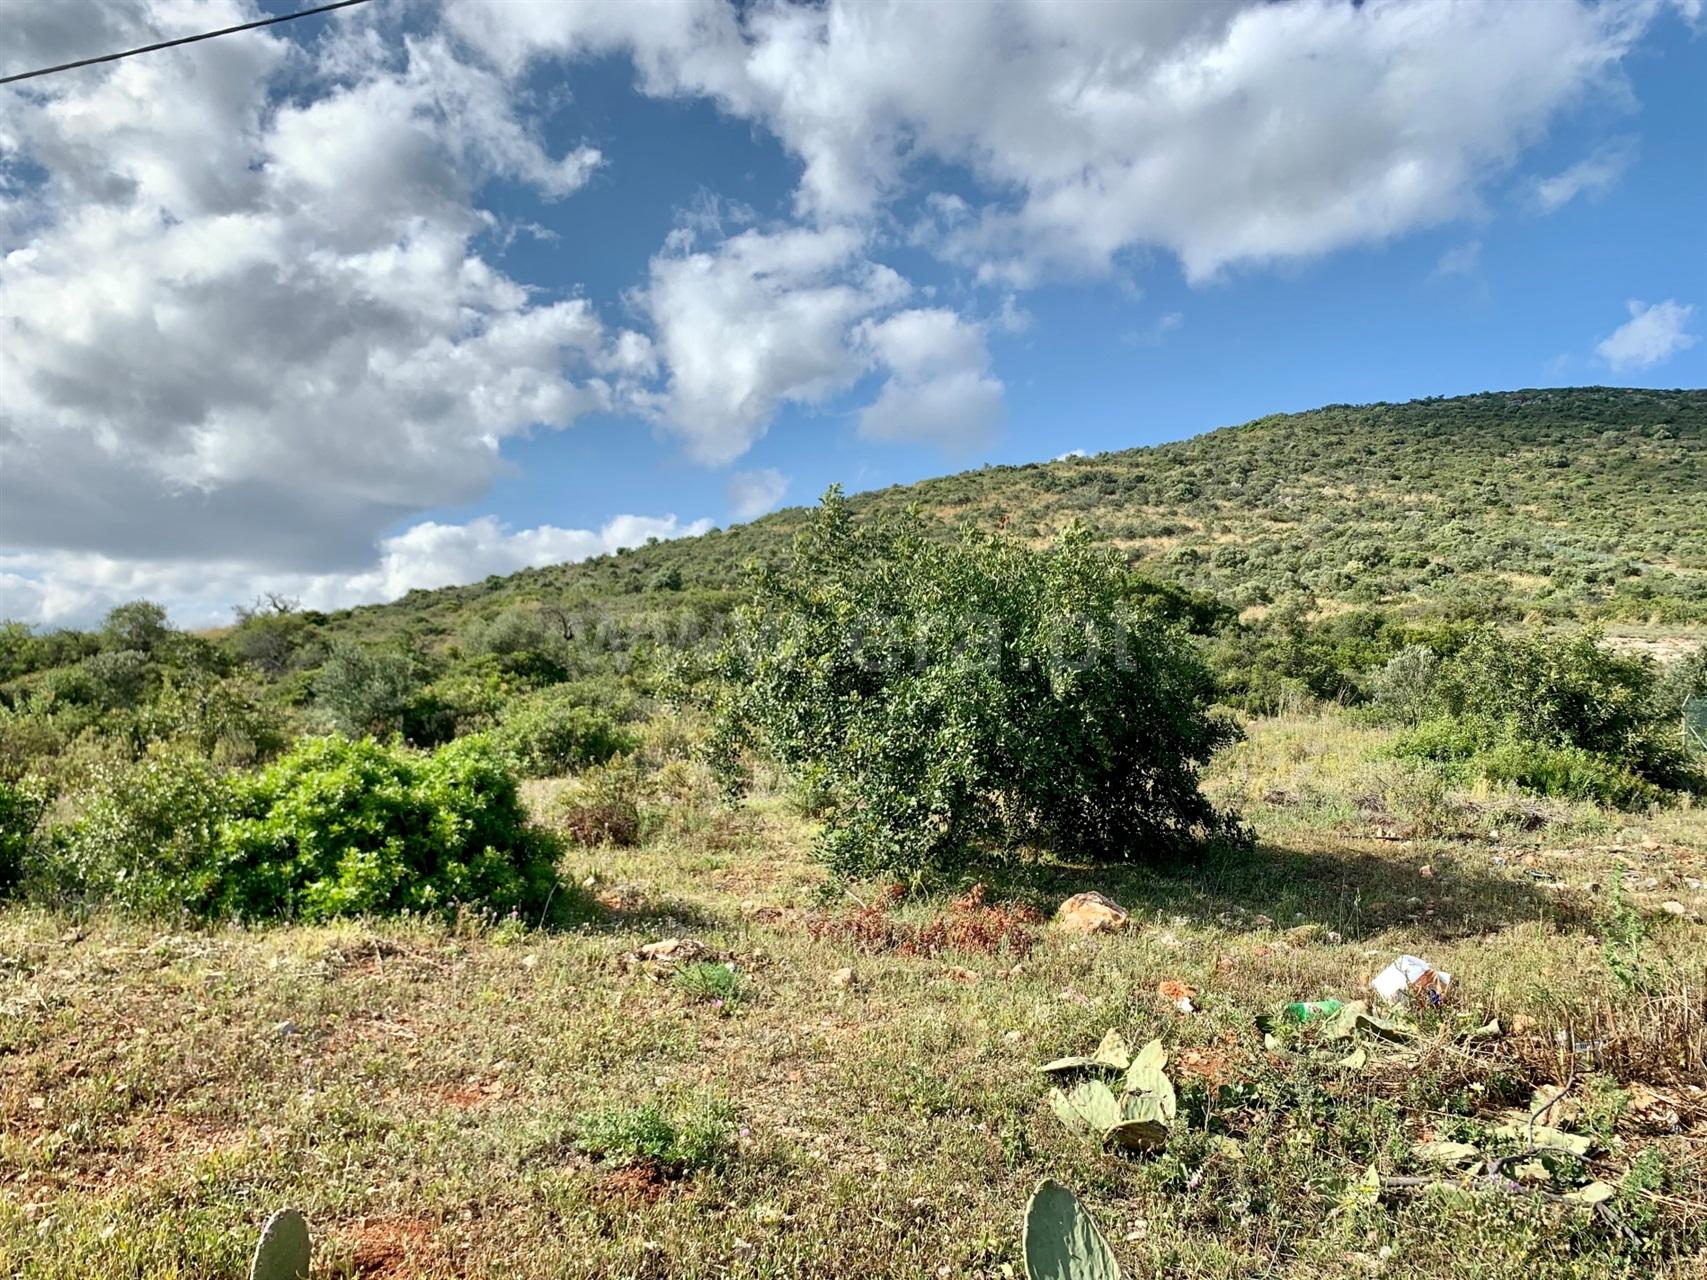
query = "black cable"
{"x": 169, "y": 44}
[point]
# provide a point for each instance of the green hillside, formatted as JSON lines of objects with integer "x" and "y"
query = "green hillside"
{"x": 1304, "y": 550}
{"x": 1583, "y": 503}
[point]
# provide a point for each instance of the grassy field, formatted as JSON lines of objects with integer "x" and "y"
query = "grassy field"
{"x": 497, "y": 1101}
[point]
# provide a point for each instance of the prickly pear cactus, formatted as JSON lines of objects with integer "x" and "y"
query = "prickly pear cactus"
{"x": 282, "y": 1253}
{"x": 1062, "y": 1241}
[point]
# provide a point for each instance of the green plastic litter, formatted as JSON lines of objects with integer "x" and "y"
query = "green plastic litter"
{"x": 1302, "y": 1011}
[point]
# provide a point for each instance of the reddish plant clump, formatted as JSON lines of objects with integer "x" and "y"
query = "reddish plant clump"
{"x": 968, "y": 925}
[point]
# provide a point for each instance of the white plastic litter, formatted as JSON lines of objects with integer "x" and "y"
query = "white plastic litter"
{"x": 1412, "y": 974}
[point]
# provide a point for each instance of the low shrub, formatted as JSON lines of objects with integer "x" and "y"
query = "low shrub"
{"x": 1569, "y": 773}
{"x": 340, "y": 827}
{"x": 644, "y": 1133}
{"x": 21, "y": 806}
{"x": 333, "y": 828}
{"x": 550, "y": 732}
{"x": 1473, "y": 748}
{"x": 605, "y": 808}
{"x": 147, "y": 838}
{"x": 708, "y": 982}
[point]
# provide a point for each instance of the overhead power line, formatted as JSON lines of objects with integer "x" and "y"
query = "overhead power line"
{"x": 172, "y": 44}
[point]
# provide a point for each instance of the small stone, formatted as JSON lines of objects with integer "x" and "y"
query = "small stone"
{"x": 1177, "y": 994}
{"x": 285, "y": 1029}
{"x": 1091, "y": 913}
{"x": 1674, "y": 908}
{"x": 843, "y": 978}
{"x": 661, "y": 957}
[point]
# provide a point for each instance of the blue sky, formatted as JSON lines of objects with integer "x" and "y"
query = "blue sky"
{"x": 422, "y": 292}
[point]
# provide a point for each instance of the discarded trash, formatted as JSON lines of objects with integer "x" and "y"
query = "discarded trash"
{"x": 1578, "y": 1046}
{"x": 1312, "y": 1010}
{"x": 1356, "y": 1017}
{"x": 1413, "y": 974}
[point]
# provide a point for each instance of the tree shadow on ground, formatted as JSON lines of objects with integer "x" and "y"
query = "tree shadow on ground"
{"x": 1355, "y": 893}
{"x": 627, "y": 908}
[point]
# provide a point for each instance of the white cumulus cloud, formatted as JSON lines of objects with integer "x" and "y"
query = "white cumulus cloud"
{"x": 1230, "y": 132}
{"x": 758, "y": 320}
{"x": 939, "y": 386}
{"x": 1654, "y": 333}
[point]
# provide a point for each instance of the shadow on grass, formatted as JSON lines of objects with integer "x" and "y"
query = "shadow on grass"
{"x": 623, "y": 909}
{"x": 1354, "y": 893}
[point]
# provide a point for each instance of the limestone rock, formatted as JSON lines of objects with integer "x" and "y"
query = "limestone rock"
{"x": 1091, "y": 913}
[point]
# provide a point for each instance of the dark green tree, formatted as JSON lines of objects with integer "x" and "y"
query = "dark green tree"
{"x": 945, "y": 696}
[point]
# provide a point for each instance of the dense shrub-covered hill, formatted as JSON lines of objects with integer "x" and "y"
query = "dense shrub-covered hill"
{"x": 1578, "y": 503}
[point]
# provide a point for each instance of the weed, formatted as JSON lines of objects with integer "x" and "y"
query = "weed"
{"x": 605, "y": 809}
{"x": 626, "y": 1135}
{"x": 708, "y": 982}
{"x": 1623, "y": 935}
{"x": 969, "y": 925}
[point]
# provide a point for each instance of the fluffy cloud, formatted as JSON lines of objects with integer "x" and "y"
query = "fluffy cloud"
{"x": 74, "y": 588}
{"x": 257, "y": 323}
{"x": 1653, "y": 334}
{"x": 752, "y": 493}
{"x": 939, "y": 387}
{"x": 249, "y": 327}
{"x": 756, "y": 321}
{"x": 1228, "y": 133}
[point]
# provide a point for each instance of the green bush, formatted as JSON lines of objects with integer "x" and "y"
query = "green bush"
{"x": 1557, "y": 690}
{"x": 148, "y": 837}
{"x": 605, "y": 808}
{"x": 950, "y": 695}
{"x": 137, "y": 626}
{"x": 1568, "y": 772}
{"x": 333, "y": 828}
{"x": 367, "y": 691}
{"x": 21, "y": 806}
{"x": 1407, "y": 688}
{"x": 340, "y": 827}
{"x": 552, "y": 732}
{"x": 1474, "y": 748}
{"x": 1558, "y": 715}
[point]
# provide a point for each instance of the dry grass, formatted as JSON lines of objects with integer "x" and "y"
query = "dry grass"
{"x": 413, "y": 1087}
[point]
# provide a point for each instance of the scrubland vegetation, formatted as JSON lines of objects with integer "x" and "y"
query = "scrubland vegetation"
{"x": 358, "y": 912}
